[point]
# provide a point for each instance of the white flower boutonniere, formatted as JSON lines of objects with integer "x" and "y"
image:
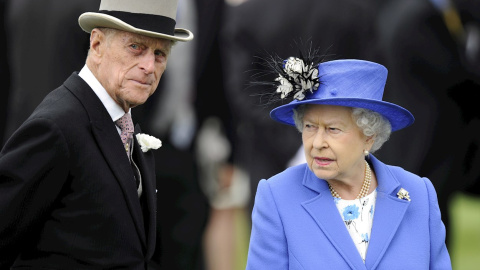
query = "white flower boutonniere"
{"x": 148, "y": 142}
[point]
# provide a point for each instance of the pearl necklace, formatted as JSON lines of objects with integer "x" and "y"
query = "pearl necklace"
{"x": 365, "y": 186}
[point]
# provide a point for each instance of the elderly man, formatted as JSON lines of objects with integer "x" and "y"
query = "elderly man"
{"x": 77, "y": 183}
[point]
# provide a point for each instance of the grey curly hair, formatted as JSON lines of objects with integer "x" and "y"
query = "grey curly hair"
{"x": 371, "y": 123}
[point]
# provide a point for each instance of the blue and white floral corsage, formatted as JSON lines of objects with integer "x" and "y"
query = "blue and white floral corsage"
{"x": 148, "y": 142}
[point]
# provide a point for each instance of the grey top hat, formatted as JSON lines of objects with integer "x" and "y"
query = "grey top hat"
{"x": 153, "y": 18}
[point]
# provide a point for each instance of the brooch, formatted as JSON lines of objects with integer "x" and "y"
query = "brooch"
{"x": 403, "y": 194}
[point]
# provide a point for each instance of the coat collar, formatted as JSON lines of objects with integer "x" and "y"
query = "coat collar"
{"x": 389, "y": 212}
{"x": 106, "y": 135}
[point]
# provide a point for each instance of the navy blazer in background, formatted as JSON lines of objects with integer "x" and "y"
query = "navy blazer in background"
{"x": 296, "y": 225}
{"x": 68, "y": 198}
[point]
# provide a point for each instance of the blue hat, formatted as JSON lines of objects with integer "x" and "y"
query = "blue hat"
{"x": 349, "y": 83}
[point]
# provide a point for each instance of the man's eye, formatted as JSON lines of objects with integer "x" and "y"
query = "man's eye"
{"x": 159, "y": 53}
{"x": 135, "y": 46}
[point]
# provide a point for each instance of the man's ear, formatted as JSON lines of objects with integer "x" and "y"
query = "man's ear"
{"x": 97, "y": 40}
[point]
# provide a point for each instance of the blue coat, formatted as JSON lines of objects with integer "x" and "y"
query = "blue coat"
{"x": 296, "y": 225}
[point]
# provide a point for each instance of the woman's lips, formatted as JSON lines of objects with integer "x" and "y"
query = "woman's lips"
{"x": 323, "y": 161}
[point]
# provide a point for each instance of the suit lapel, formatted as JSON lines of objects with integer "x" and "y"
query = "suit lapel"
{"x": 389, "y": 213}
{"x": 110, "y": 144}
{"x": 147, "y": 171}
{"x": 323, "y": 210}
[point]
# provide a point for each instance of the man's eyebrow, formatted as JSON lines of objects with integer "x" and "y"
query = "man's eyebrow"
{"x": 156, "y": 44}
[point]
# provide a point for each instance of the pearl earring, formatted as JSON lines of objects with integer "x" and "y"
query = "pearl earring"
{"x": 365, "y": 152}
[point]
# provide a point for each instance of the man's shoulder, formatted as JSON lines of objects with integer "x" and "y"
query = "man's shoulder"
{"x": 62, "y": 109}
{"x": 59, "y": 103}
{"x": 64, "y": 101}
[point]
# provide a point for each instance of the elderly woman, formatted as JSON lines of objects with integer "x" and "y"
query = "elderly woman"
{"x": 343, "y": 208}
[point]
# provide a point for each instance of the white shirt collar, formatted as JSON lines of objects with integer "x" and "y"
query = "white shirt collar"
{"x": 112, "y": 107}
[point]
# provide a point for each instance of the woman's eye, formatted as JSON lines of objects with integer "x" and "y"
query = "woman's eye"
{"x": 333, "y": 130}
{"x": 309, "y": 126}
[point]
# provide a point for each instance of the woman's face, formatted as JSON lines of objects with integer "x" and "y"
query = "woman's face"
{"x": 334, "y": 145}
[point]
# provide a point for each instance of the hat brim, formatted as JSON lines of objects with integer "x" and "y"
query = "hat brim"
{"x": 90, "y": 20}
{"x": 398, "y": 116}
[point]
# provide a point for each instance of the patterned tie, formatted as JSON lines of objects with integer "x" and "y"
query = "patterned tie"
{"x": 126, "y": 125}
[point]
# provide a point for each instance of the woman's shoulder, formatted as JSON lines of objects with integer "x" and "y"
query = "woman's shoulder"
{"x": 408, "y": 180}
{"x": 403, "y": 173}
{"x": 287, "y": 186}
{"x": 289, "y": 173}
{"x": 288, "y": 178}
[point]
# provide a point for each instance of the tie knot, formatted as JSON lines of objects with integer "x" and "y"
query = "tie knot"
{"x": 125, "y": 123}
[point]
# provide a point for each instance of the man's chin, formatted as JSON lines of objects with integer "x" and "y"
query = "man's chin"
{"x": 140, "y": 97}
{"x": 136, "y": 103}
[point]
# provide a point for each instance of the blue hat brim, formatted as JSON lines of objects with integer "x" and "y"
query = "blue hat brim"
{"x": 398, "y": 116}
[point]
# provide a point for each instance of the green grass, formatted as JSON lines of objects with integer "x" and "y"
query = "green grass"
{"x": 242, "y": 231}
{"x": 465, "y": 216}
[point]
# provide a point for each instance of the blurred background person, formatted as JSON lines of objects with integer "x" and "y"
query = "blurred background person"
{"x": 225, "y": 185}
{"x": 4, "y": 71}
{"x": 60, "y": 48}
{"x": 432, "y": 51}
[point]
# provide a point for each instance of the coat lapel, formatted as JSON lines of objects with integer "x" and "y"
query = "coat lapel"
{"x": 146, "y": 165}
{"x": 323, "y": 210}
{"x": 389, "y": 213}
{"x": 110, "y": 144}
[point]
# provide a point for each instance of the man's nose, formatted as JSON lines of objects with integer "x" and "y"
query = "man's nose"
{"x": 147, "y": 63}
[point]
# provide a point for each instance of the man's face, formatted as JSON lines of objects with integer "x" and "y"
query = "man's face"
{"x": 129, "y": 66}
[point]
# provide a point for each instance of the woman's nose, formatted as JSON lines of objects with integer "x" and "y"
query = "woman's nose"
{"x": 319, "y": 140}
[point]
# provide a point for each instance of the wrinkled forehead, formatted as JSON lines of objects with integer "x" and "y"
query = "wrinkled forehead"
{"x": 327, "y": 113}
{"x": 157, "y": 43}
{"x": 326, "y": 108}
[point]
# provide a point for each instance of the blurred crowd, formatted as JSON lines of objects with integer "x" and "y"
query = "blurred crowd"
{"x": 218, "y": 139}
